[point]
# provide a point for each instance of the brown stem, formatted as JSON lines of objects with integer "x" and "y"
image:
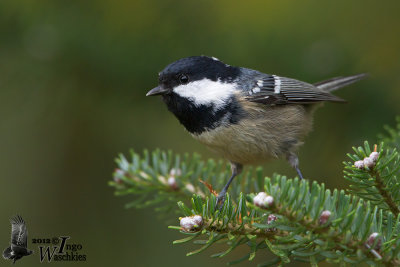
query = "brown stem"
{"x": 337, "y": 237}
{"x": 380, "y": 185}
{"x": 246, "y": 229}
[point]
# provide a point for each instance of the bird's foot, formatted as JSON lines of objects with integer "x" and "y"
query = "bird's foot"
{"x": 220, "y": 200}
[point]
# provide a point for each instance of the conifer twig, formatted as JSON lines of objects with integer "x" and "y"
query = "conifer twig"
{"x": 295, "y": 220}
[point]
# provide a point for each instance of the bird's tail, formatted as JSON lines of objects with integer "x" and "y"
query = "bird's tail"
{"x": 7, "y": 253}
{"x": 339, "y": 82}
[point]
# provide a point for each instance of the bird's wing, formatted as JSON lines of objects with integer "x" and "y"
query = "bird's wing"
{"x": 276, "y": 90}
{"x": 19, "y": 234}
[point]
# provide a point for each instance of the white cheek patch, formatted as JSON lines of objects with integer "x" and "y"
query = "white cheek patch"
{"x": 206, "y": 92}
{"x": 277, "y": 88}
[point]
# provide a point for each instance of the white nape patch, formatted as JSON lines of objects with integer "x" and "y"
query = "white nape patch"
{"x": 214, "y": 58}
{"x": 277, "y": 88}
{"x": 260, "y": 83}
{"x": 206, "y": 92}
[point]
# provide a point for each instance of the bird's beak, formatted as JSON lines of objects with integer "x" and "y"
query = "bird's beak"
{"x": 159, "y": 90}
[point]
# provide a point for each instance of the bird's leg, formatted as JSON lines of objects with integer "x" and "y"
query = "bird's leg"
{"x": 294, "y": 162}
{"x": 236, "y": 170}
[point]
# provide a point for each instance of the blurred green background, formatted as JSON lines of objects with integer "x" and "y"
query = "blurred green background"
{"x": 73, "y": 78}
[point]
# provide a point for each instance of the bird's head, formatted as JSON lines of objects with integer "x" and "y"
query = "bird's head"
{"x": 199, "y": 91}
{"x": 201, "y": 80}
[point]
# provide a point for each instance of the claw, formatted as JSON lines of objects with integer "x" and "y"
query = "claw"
{"x": 220, "y": 201}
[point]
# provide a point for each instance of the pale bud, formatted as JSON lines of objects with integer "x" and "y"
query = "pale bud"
{"x": 172, "y": 183}
{"x": 175, "y": 172}
{"x": 269, "y": 201}
{"x": 187, "y": 223}
{"x": 368, "y": 162}
{"x": 191, "y": 223}
{"x": 259, "y": 199}
{"x": 324, "y": 217}
{"x": 371, "y": 240}
{"x": 359, "y": 164}
{"x": 271, "y": 218}
{"x": 190, "y": 188}
{"x": 118, "y": 174}
{"x": 263, "y": 200}
{"x": 374, "y": 156}
{"x": 198, "y": 220}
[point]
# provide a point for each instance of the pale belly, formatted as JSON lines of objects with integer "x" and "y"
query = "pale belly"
{"x": 258, "y": 139}
{"x": 237, "y": 145}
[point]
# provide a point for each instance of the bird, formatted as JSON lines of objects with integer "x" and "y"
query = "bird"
{"x": 19, "y": 240}
{"x": 244, "y": 115}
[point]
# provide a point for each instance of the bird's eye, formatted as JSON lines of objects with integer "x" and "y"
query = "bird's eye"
{"x": 183, "y": 79}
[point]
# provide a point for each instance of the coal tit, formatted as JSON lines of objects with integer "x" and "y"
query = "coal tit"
{"x": 246, "y": 116}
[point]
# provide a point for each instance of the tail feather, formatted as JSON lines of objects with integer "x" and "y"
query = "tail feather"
{"x": 339, "y": 82}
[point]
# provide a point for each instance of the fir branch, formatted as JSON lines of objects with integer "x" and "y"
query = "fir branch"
{"x": 297, "y": 233}
{"x": 295, "y": 220}
{"x": 162, "y": 178}
{"x": 380, "y": 185}
{"x": 379, "y": 182}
